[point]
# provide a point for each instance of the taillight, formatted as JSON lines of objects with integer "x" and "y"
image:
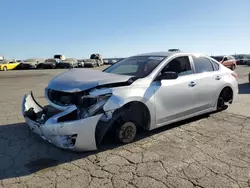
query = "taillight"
{"x": 235, "y": 75}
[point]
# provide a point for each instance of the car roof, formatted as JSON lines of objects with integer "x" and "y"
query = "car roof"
{"x": 168, "y": 54}
{"x": 165, "y": 54}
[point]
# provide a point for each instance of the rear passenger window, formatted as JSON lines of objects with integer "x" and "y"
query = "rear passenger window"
{"x": 216, "y": 65}
{"x": 202, "y": 65}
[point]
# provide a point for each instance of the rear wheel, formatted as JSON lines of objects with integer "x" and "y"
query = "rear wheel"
{"x": 220, "y": 104}
{"x": 225, "y": 98}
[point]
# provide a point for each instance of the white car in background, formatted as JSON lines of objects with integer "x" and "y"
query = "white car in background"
{"x": 147, "y": 90}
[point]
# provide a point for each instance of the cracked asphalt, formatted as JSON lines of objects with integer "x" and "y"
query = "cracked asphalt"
{"x": 207, "y": 151}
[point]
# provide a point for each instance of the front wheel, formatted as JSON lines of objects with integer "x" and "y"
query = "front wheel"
{"x": 126, "y": 132}
{"x": 5, "y": 68}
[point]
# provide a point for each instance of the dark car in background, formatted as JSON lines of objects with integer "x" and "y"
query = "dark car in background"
{"x": 94, "y": 61}
{"x": 242, "y": 59}
{"x": 68, "y": 63}
{"x": 30, "y": 63}
{"x": 48, "y": 64}
{"x": 80, "y": 63}
{"x": 228, "y": 61}
{"x": 90, "y": 63}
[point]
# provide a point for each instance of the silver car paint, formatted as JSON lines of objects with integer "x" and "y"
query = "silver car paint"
{"x": 168, "y": 101}
{"x": 51, "y": 130}
{"x": 75, "y": 80}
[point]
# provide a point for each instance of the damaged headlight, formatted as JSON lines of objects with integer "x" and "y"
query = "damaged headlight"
{"x": 94, "y": 103}
{"x": 68, "y": 140}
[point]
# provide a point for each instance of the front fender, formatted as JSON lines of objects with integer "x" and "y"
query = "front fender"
{"x": 116, "y": 102}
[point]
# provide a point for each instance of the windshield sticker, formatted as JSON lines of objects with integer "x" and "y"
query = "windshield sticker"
{"x": 156, "y": 58}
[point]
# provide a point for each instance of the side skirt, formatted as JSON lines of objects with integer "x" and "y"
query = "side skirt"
{"x": 184, "y": 118}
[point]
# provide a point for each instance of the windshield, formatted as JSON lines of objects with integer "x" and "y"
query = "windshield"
{"x": 138, "y": 66}
{"x": 218, "y": 58}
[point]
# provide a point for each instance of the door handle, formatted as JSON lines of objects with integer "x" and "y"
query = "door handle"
{"x": 192, "y": 84}
{"x": 217, "y": 78}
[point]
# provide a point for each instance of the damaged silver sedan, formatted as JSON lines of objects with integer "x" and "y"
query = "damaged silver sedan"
{"x": 147, "y": 91}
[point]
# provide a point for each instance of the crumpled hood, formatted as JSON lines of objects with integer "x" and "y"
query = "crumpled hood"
{"x": 76, "y": 80}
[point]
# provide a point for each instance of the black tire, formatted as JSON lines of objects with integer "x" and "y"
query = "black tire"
{"x": 5, "y": 68}
{"x": 220, "y": 104}
{"x": 225, "y": 97}
{"x": 126, "y": 132}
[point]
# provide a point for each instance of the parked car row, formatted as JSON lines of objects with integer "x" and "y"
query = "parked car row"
{"x": 52, "y": 63}
{"x": 59, "y": 61}
{"x": 242, "y": 59}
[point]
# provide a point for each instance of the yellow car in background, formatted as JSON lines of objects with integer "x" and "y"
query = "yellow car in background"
{"x": 8, "y": 65}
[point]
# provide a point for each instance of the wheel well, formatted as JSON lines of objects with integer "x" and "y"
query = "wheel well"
{"x": 227, "y": 94}
{"x": 137, "y": 112}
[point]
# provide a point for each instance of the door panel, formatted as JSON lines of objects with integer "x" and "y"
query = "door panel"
{"x": 174, "y": 98}
{"x": 206, "y": 90}
{"x": 208, "y": 83}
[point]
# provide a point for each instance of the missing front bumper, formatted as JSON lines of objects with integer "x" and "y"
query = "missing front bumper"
{"x": 75, "y": 135}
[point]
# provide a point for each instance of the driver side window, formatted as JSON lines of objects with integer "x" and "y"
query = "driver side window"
{"x": 180, "y": 65}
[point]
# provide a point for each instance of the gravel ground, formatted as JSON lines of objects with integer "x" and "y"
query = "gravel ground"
{"x": 207, "y": 151}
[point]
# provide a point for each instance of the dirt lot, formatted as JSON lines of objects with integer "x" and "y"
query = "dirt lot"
{"x": 209, "y": 151}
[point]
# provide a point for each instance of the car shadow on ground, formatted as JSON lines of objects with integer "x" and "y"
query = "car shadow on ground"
{"x": 23, "y": 153}
{"x": 244, "y": 88}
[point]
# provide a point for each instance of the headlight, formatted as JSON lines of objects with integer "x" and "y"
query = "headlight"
{"x": 96, "y": 104}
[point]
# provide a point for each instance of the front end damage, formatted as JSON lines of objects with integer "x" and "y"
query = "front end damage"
{"x": 76, "y": 127}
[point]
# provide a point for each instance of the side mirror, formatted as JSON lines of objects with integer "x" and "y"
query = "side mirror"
{"x": 225, "y": 59}
{"x": 167, "y": 76}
